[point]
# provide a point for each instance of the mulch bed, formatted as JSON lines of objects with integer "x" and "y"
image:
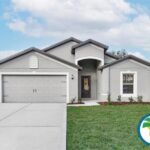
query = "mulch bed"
{"x": 75, "y": 103}
{"x": 123, "y": 103}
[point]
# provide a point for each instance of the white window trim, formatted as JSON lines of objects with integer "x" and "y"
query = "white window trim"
{"x": 34, "y": 73}
{"x": 134, "y": 84}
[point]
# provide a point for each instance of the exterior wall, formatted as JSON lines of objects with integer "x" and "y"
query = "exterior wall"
{"x": 79, "y": 83}
{"x": 46, "y": 65}
{"x": 89, "y": 51}
{"x": 99, "y": 76}
{"x": 108, "y": 59}
{"x": 64, "y": 51}
{"x": 103, "y": 84}
{"x": 89, "y": 68}
{"x": 143, "y": 79}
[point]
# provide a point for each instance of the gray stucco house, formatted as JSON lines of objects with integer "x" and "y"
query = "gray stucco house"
{"x": 72, "y": 69}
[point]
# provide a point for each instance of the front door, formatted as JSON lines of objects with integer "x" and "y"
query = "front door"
{"x": 86, "y": 86}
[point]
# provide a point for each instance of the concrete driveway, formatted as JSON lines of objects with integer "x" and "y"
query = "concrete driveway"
{"x": 33, "y": 126}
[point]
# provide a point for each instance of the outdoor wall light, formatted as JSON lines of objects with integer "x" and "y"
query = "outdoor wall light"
{"x": 72, "y": 76}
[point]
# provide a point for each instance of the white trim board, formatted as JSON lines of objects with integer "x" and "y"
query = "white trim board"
{"x": 35, "y": 73}
{"x": 134, "y": 84}
{"x": 89, "y": 57}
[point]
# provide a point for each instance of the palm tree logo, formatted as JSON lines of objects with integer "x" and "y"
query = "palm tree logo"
{"x": 144, "y": 129}
{"x": 146, "y": 124}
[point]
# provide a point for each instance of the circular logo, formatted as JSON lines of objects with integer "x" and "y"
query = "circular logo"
{"x": 144, "y": 129}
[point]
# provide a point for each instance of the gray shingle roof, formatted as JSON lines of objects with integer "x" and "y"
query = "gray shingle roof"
{"x": 38, "y": 51}
{"x": 125, "y": 58}
{"x": 61, "y": 43}
{"x": 89, "y": 41}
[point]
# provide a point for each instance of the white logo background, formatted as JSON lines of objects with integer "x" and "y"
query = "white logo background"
{"x": 145, "y": 132}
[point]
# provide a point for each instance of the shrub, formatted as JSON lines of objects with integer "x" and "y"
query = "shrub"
{"x": 119, "y": 98}
{"x": 131, "y": 99}
{"x": 73, "y": 100}
{"x": 80, "y": 100}
{"x": 140, "y": 98}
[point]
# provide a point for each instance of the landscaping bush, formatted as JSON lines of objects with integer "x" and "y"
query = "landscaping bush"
{"x": 119, "y": 98}
{"x": 131, "y": 99}
{"x": 80, "y": 100}
{"x": 73, "y": 100}
{"x": 140, "y": 98}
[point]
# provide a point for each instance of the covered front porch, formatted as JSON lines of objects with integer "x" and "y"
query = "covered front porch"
{"x": 89, "y": 79}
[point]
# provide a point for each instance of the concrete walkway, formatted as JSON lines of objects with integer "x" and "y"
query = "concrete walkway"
{"x": 33, "y": 126}
{"x": 87, "y": 103}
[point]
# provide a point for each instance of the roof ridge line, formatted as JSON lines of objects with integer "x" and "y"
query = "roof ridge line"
{"x": 87, "y": 42}
{"x": 61, "y": 43}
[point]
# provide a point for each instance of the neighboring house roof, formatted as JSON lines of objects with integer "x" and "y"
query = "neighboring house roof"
{"x": 41, "y": 52}
{"x": 111, "y": 55}
{"x": 61, "y": 43}
{"x": 125, "y": 58}
{"x": 89, "y": 41}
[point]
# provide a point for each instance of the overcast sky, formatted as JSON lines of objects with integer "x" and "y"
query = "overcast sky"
{"x": 120, "y": 24}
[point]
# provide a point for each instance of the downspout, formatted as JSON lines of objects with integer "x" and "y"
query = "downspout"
{"x": 109, "y": 81}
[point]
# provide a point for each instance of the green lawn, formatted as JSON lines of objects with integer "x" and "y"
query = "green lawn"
{"x": 105, "y": 127}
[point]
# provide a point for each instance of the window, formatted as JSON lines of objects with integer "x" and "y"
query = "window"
{"x": 128, "y": 83}
{"x": 33, "y": 62}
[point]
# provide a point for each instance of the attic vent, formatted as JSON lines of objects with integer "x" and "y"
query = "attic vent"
{"x": 33, "y": 62}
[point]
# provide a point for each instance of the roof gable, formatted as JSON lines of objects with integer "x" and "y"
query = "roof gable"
{"x": 71, "y": 39}
{"x": 18, "y": 54}
{"x": 89, "y": 41}
{"x": 33, "y": 49}
{"x": 139, "y": 60}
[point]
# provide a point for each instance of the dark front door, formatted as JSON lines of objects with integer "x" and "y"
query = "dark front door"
{"x": 86, "y": 86}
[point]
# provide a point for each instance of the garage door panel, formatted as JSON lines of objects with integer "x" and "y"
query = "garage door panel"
{"x": 34, "y": 88}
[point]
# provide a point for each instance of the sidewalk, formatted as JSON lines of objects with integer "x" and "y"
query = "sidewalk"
{"x": 86, "y": 103}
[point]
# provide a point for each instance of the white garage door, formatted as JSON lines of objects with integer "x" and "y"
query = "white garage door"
{"x": 34, "y": 89}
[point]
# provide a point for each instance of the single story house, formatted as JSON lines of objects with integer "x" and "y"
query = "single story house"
{"x": 72, "y": 69}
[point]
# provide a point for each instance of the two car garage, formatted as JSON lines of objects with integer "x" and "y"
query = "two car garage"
{"x": 33, "y": 76}
{"x": 34, "y": 88}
